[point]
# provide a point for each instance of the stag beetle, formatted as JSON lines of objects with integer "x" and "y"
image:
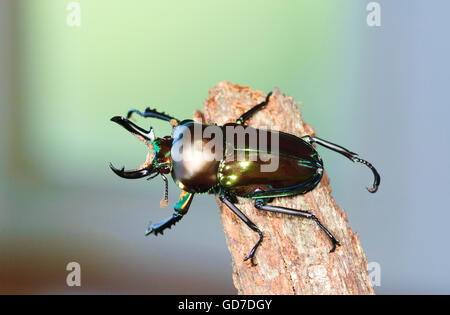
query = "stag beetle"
{"x": 300, "y": 168}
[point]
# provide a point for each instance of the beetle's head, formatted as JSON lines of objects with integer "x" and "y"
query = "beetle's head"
{"x": 158, "y": 161}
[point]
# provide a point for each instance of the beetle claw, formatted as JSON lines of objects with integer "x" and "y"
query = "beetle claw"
{"x": 132, "y": 174}
{"x": 376, "y": 180}
{"x": 150, "y": 229}
{"x": 116, "y": 170}
{"x": 373, "y": 189}
{"x": 335, "y": 243}
{"x": 251, "y": 260}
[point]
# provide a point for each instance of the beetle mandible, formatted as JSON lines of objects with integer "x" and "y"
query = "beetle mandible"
{"x": 300, "y": 168}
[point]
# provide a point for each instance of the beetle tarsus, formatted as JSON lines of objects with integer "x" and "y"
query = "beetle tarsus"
{"x": 259, "y": 204}
{"x": 226, "y": 200}
{"x": 335, "y": 243}
{"x": 350, "y": 155}
{"x": 151, "y": 113}
{"x": 133, "y": 111}
{"x": 251, "y": 255}
{"x": 241, "y": 120}
{"x": 158, "y": 228}
{"x": 376, "y": 181}
{"x": 251, "y": 260}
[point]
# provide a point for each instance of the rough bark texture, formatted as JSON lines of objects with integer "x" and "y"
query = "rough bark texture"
{"x": 294, "y": 257}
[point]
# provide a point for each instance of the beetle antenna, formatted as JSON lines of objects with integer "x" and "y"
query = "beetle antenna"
{"x": 163, "y": 203}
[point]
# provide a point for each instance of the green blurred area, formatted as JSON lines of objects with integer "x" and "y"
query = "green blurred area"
{"x": 60, "y": 202}
{"x": 164, "y": 54}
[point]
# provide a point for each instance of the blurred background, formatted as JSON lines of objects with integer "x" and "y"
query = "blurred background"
{"x": 380, "y": 91}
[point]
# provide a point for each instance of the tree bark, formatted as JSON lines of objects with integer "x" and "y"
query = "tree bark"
{"x": 294, "y": 257}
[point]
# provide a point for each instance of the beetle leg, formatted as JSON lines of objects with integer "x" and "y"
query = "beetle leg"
{"x": 241, "y": 120}
{"x": 181, "y": 208}
{"x": 249, "y": 223}
{"x": 153, "y": 113}
{"x": 350, "y": 155}
{"x": 259, "y": 204}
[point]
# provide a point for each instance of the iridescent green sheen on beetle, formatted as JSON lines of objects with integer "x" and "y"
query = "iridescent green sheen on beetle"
{"x": 237, "y": 173}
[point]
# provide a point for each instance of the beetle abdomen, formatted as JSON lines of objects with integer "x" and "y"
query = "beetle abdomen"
{"x": 295, "y": 167}
{"x": 292, "y": 177}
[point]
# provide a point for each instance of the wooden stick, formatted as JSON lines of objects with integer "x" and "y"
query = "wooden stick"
{"x": 294, "y": 257}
